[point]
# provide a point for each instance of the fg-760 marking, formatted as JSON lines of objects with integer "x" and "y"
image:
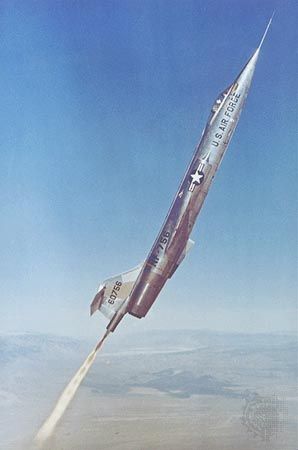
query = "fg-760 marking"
{"x": 154, "y": 257}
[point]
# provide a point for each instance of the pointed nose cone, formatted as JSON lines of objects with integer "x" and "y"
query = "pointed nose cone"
{"x": 245, "y": 76}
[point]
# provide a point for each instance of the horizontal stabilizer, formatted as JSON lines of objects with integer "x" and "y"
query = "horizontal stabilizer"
{"x": 98, "y": 299}
{"x": 190, "y": 243}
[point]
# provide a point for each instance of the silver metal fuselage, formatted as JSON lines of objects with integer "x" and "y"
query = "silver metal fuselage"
{"x": 171, "y": 242}
{"x": 170, "y": 246}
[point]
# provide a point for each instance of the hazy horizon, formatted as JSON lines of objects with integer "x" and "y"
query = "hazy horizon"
{"x": 156, "y": 390}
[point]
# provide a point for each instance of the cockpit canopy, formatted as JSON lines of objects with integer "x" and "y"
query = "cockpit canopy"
{"x": 218, "y": 102}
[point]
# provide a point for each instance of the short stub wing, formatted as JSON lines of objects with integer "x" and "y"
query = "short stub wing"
{"x": 190, "y": 243}
{"x": 113, "y": 292}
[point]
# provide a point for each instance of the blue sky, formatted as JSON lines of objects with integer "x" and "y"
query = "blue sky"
{"x": 103, "y": 103}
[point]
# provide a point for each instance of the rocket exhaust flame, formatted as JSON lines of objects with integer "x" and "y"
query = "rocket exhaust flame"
{"x": 66, "y": 397}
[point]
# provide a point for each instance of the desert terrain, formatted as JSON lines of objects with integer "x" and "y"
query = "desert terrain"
{"x": 176, "y": 390}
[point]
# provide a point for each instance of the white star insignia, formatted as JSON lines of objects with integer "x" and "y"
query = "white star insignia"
{"x": 197, "y": 177}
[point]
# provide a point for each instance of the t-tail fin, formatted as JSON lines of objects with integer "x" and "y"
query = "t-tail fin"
{"x": 113, "y": 292}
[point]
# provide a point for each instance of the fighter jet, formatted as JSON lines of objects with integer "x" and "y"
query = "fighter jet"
{"x": 135, "y": 291}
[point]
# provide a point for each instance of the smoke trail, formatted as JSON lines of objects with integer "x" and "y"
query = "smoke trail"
{"x": 66, "y": 397}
